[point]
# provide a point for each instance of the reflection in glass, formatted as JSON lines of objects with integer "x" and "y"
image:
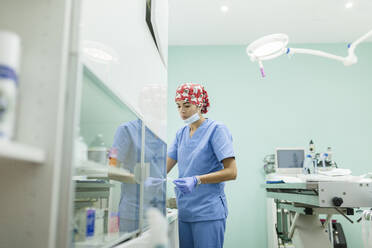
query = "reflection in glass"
{"x": 100, "y": 184}
{"x": 128, "y": 143}
{"x": 155, "y": 184}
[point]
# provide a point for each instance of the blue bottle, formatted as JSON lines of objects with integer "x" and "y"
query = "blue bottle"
{"x": 91, "y": 216}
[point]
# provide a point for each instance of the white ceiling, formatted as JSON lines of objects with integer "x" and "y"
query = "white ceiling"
{"x": 201, "y": 22}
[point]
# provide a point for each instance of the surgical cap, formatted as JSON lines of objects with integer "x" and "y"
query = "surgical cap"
{"x": 194, "y": 94}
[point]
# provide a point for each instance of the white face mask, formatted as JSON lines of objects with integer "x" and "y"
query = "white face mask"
{"x": 192, "y": 119}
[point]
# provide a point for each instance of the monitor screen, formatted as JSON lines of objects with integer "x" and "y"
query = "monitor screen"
{"x": 288, "y": 158}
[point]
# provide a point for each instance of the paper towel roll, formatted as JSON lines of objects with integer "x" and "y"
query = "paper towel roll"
{"x": 9, "y": 50}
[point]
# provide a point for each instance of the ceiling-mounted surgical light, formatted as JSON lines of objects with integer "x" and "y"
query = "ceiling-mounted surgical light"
{"x": 275, "y": 45}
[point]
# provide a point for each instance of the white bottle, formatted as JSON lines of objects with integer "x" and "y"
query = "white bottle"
{"x": 329, "y": 159}
{"x": 323, "y": 157}
{"x": 308, "y": 165}
{"x": 99, "y": 222}
{"x": 9, "y": 61}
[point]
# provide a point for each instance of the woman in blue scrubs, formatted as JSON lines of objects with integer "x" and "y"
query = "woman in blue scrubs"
{"x": 204, "y": 153}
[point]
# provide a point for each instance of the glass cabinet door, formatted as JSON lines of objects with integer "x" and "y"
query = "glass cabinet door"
{"x": 119, "y": 163}
{"x": 107, "y": 167}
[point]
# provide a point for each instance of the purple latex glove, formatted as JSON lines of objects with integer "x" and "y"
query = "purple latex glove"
{"x": 186, "y": 184}
{"x": 153, "y": 181}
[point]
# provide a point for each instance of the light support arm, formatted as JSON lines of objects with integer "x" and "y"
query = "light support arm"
{"x": 361, "y": 39}
{"x": 315, "y": 52}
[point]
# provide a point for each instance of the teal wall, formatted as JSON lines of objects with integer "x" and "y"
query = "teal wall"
{"x": 302, "y": 98}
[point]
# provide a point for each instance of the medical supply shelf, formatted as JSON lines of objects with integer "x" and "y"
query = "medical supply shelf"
{"x": 87, "y": 192}
{"x": 91, "y": 189}
{"x": 297, "y": 207}
{"x": 322, "y": 194}
{"x": 91, "y": 169}
{"x": 16, "y": 151}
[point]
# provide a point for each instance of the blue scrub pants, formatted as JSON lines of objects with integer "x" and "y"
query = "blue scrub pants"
{"x": 202, "y": 234}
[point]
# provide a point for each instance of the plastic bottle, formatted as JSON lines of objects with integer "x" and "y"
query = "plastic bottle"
{"x": 9, "y": 61}
{"x": 323, "y": 157}
{"x": 97, "y": 151}
{"x": 308, "y": 165}
{"x": 99, "y": 222}
{"x": 90, "y": 215}
{"x": 113, "y": 157}
{"x": 114, "y": 222}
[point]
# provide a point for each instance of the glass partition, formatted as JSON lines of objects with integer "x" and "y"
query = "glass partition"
{"x": 155, "y": 182}
{"x": 119, "y": 164}
{"x": 107, "y": 167}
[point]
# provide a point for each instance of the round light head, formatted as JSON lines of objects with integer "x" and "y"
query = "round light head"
{"x": 268, "y": 47}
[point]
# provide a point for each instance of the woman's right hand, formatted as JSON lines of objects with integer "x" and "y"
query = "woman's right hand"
{"x": 186, "y": 184}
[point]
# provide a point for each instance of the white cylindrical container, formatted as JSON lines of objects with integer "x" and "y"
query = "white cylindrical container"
{"x": 97, "y": 150}
{"x": 99, "y": 222}
{"x": 9, "y": 65}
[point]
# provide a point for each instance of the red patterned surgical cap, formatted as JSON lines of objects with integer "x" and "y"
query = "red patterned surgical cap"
{"x": 195, "y": 94}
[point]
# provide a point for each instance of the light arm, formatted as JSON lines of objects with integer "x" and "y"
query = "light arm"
{"x": 315, "y": 52}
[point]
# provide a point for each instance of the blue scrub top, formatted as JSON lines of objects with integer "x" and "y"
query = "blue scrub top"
{"x": 198, "y": 155}
{"x": 127, "y": 141}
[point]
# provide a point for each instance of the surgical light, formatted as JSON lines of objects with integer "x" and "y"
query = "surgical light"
{"x": 275, "y": 45}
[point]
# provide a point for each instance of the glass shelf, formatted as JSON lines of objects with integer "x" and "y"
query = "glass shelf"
{"x": 21, "y": 152}
{"x": 91, "y": 169}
